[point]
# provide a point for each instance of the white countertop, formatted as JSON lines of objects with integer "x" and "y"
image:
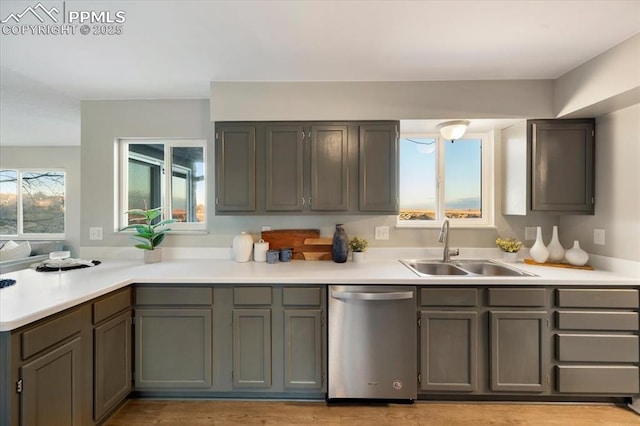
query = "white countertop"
{"x": 37, "y": 295}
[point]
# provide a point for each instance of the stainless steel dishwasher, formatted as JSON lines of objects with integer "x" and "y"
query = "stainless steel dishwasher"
{"x": 372, "y": 343}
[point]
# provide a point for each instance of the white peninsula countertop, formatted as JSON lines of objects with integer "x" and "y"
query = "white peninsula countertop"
{"x": 37, "y": 295}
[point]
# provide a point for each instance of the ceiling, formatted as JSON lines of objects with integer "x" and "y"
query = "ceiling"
{"x": 174, "y": 49}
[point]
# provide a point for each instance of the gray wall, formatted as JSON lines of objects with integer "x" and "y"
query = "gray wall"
{"x": 105, "y": 121}
{"x": 63, "y": 157}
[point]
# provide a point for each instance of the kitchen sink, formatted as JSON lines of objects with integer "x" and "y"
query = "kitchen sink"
{"x": 422, "y": 267}
{"x": 469, "y": 268}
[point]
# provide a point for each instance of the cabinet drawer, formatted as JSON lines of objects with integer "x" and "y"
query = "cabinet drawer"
{"x": 597, "y": 348}
{"x": 110, "y": 305}
{"x": 571, "y": 320}
{"x": 598, "y": 379}
{"x": 252, "y": 296}
{"x": 301, "y": 296}
{"x": 448, "y": 297}
{"x": 174, "y": 296}
{"x": 614, "y": 298}
{"x": 50, "y": 333}
{"x": 517, "y": 296}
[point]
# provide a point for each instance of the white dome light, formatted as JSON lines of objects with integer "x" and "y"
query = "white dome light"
{"x": 452, "y": 130}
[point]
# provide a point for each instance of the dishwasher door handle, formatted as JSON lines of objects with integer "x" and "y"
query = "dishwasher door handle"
{"x": 352, "y": 295}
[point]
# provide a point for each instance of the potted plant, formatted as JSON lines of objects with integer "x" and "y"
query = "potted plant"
{"x": 149, "y": 235}
{"x": 357, "y": 246}
{"x": 510, "y": 248}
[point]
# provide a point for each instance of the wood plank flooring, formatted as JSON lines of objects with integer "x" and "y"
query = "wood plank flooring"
{"x": 220, "y": 413}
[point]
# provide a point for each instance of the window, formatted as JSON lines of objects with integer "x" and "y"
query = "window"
{"x": 145, "y": 183}
{"x": 442, "y": 179}
{"x": 32, "y": 203}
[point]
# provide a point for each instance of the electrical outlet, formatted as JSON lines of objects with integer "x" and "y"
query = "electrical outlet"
{"x": 382, "y": 232}
{"x": 530, "y": 233}
{"x": 95, "y": 233}
{"x": 598, "y": 236}
{"x": 266, "y": 228}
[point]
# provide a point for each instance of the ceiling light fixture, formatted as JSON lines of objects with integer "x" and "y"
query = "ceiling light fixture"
{"x": 452, "y": 130}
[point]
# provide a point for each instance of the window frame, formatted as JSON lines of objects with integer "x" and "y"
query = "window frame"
{"x": 122, "y": 176}
{"x": 487, "y": 187}
{"x": 21, "y": 235}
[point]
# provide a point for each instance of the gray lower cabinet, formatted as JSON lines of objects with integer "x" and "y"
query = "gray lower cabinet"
{"x": 597, "y": 348}
{"x": 173, "y": 348}
{"x": 519, "y": 351}
{"x": 52, "y": 387}
{"x": 252, "y": 348}
{"x": 112, "y": 352}
{"x": 303, "y": 349}
{"x": 112, "y": 363}
{"x": 448, "y": 350}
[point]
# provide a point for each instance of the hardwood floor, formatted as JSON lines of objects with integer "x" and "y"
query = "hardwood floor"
{"x": 196, "y": 413}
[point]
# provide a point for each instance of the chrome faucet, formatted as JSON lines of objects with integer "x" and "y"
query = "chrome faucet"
{"x": 444, "y": 236}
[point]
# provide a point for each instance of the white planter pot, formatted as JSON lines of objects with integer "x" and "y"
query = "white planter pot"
{"x": 510, "y": 257}
{"x": 153, "y": 256}
{"x": 357, "y": 256}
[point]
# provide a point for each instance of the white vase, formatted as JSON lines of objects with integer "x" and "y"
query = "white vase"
{"x": 556, "y": 251}
{"x": 357, "y": 256}
{"x": 242, "y": 247}
{"x": 153, "y": 256}
{"x": 539, "y": 251}
{"x": 576, "y": 256}
{"x": 511, "y": 257}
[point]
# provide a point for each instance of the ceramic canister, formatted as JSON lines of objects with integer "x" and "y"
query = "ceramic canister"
{"x": 242, "y": 247}
{"x": 260, "y": 250}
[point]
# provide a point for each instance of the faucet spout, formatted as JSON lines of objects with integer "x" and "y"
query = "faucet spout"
{"x": 444, "y": 237}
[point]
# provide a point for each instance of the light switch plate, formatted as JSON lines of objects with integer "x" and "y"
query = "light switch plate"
{"x": 382, "y": 232}
{"x": 95, "y": 233}
{"x": 598, "y": 236}
{"x": 530, "y": 233}
{"x": 266, "y": 228}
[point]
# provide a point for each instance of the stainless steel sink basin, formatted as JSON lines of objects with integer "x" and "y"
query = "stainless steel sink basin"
{"x": 424, "y": 268}
{"x": 462, "y": 268}
{"x": 492, "y": 269}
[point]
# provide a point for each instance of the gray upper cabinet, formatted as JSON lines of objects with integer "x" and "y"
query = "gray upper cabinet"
{"x": 329, "y": 168}
{"x": 314, "y": 167}
{"x": 284, "y": 168}
{"x": 378, "y": 168}
{"x": 549, "y": 167}
{"x": 235, "y": 168}
{"x": 562, "y": 165}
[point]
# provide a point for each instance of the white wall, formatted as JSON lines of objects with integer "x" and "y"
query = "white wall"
{"x": 63, "y": 157}
{"x": 617, "y": 189}
{"x": 233, "y": 101}
{"x": 610, "y": 80}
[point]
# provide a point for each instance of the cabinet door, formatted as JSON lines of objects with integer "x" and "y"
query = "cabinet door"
{"x": 303, "y": 348}
{"x": 378, "y": 187}
{"x": 173, "y": 348}
{"x": 112, "y": 363}
{"x": 252, "y": 348}
{"x": 519, "y": 351}
{"x": 448, "y": 350}
{"x": 562, "y": 169}
{"x": 329, "y": 168}
{"x": 52, "y": 387}
{"x": 235, "y": 168}
{"x": 284, "y": 168}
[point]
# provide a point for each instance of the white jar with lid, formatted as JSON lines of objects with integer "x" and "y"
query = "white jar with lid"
{"x": 260, "y": 250}
{"x": 242, "y": 247}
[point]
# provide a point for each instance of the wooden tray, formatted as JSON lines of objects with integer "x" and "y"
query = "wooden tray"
{"x": 558, "y": 265}
{"x": 306, "y": 243}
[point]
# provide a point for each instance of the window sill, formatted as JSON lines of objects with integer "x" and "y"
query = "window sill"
{"x": 433, "y": 224}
